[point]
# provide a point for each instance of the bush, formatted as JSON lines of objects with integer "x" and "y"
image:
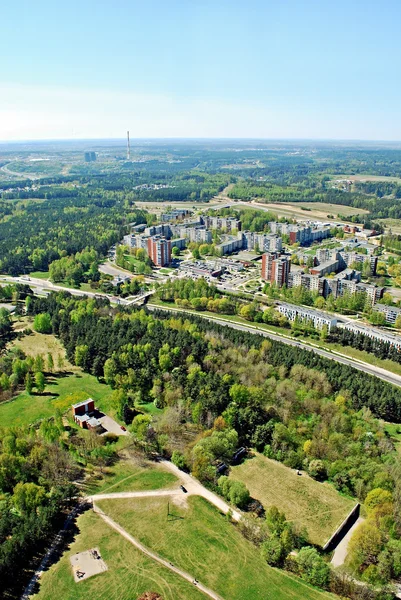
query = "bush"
{"x": 272, "y": 551}
{"x": 377, "y": 497}
{"x": 235, "y": 492}
{"x": 111, "y": 438}
{"x": 312, "y": 567}
{"x": 42, "y": 323}
{"x": 317, "y": 470}
{"x": 178, "y": 460}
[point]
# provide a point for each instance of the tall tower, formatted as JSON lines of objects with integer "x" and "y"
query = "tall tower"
{"x": 128, "y": 147}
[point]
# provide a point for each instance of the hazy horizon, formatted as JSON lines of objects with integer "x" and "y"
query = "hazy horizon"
{"x": 264, "y": 70}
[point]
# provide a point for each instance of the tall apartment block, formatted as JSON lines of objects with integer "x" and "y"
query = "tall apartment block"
{"x": 275, "y": 268}
{"x": 159, "y": 250}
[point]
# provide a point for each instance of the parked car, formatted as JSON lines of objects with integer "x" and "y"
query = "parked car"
{"x": 123, "y": 428}
{"x": 184, "y": 489}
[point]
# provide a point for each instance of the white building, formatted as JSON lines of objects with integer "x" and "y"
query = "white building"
{"x": 373, "y": 333}
{"x": 317, "y": 317}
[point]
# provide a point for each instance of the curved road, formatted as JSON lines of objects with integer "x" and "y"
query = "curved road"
{"x": 360, "y": 365}
{"x": 388, "y": 376}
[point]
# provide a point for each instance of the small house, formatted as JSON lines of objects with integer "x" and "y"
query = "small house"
{"x": 83, "y": 413}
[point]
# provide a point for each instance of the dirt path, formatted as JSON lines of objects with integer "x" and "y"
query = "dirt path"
{"x": 340, "y": 553}
{"x": 57, "y": 542}
{"x": 193, "y": 487}
{"x": 155, "y": 556}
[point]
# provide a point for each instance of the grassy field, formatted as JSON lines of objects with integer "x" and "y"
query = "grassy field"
{"x": 361, "y": 177}
{"x": 129, "y": 475}
{"x": 205, "y": 544}
{"x": 393, "y": 224}
{"x": 40, "y": 274}
{"x": 394, "y": 431}
{"x": 316, "y": 506}
{"x": 61, "y": 391}
{"x": 315, "y": 210}
{"x": 40, "y": 343}
{"x": 129, "y": 574}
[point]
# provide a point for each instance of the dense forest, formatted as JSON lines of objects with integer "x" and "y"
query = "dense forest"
{"x": 35, "y": 233}
{"x": 235, "y": 388}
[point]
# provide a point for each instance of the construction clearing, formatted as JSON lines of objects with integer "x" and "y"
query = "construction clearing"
{"x": 87, "y": 564}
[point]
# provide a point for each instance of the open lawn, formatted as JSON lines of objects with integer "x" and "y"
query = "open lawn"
{"x": 40, "y": 343}
{"x": 61, "y": 391}
{"x": 129, "y": 475}
{"x": 316, "y": 506}
{"x": 40, "y": 274}
{"x": 204, "y": 543}
{"x": 130, "y": 573}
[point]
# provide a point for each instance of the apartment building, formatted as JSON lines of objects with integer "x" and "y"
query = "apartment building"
{"x": 265, "y": 242}
{"x": 197, "y": 234}
{"x": 229, "y": 224}
{"x": 159, "y": 250}
{"x": 317, "y": 317}
{"x": 373, "y": 333}
{"x": 164, "y": 230}
{"x": 302, "y": 234}
{"x": 325, "y": 268}
{"x": 313, "y": 283}
{"x": 390, "y": 312}
{"x": 275, "y": 268}
{"x": 231, "y": 244}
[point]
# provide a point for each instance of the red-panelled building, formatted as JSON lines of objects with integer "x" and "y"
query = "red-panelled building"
{"x": 275, "y": 268}
{"x": 159, "y": 250}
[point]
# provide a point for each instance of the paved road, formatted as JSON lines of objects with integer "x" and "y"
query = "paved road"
{"x": 340, "y": 553}
{"x": 44, "y": 286}
{"x": 360, "y": 365}
{"x": 5, "y": 169}
{"x": 154, "y": 556}
{"x": 47, "y": 286}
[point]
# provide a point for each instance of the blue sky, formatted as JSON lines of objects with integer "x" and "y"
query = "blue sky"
{"x": 200, "y": 68}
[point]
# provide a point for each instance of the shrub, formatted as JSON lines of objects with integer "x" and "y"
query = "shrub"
{"x": 317, "y": 470}
{"x": 272, "y": 551}
{"x": 312, "y": 567}
{"x": 42, "y": 323}
{"x": 178, "y": 460}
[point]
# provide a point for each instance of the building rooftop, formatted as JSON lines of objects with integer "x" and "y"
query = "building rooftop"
{"x": 82, "y": 418}
{"x": 83, "y": 403}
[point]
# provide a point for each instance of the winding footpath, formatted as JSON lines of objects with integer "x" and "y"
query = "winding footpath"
{"x": 153, "y": 555}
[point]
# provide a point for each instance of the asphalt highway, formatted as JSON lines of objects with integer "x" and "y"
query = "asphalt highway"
{"x": 46, "y": 286}
{"x": 361, "y": 366}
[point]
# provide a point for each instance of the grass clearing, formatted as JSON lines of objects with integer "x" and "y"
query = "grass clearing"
{"x": 40, "y": 343}
{"x": 130, "y": 573}
{"x": 309, "y": 210}
{"x": 394, "y": 431}
{"x": 40, "y": 274}
{"x": 128, "y": 475}
{"x": 316, "y": 506}
{"x": 205, "y": 544}
{"x": 61, "y": 391}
